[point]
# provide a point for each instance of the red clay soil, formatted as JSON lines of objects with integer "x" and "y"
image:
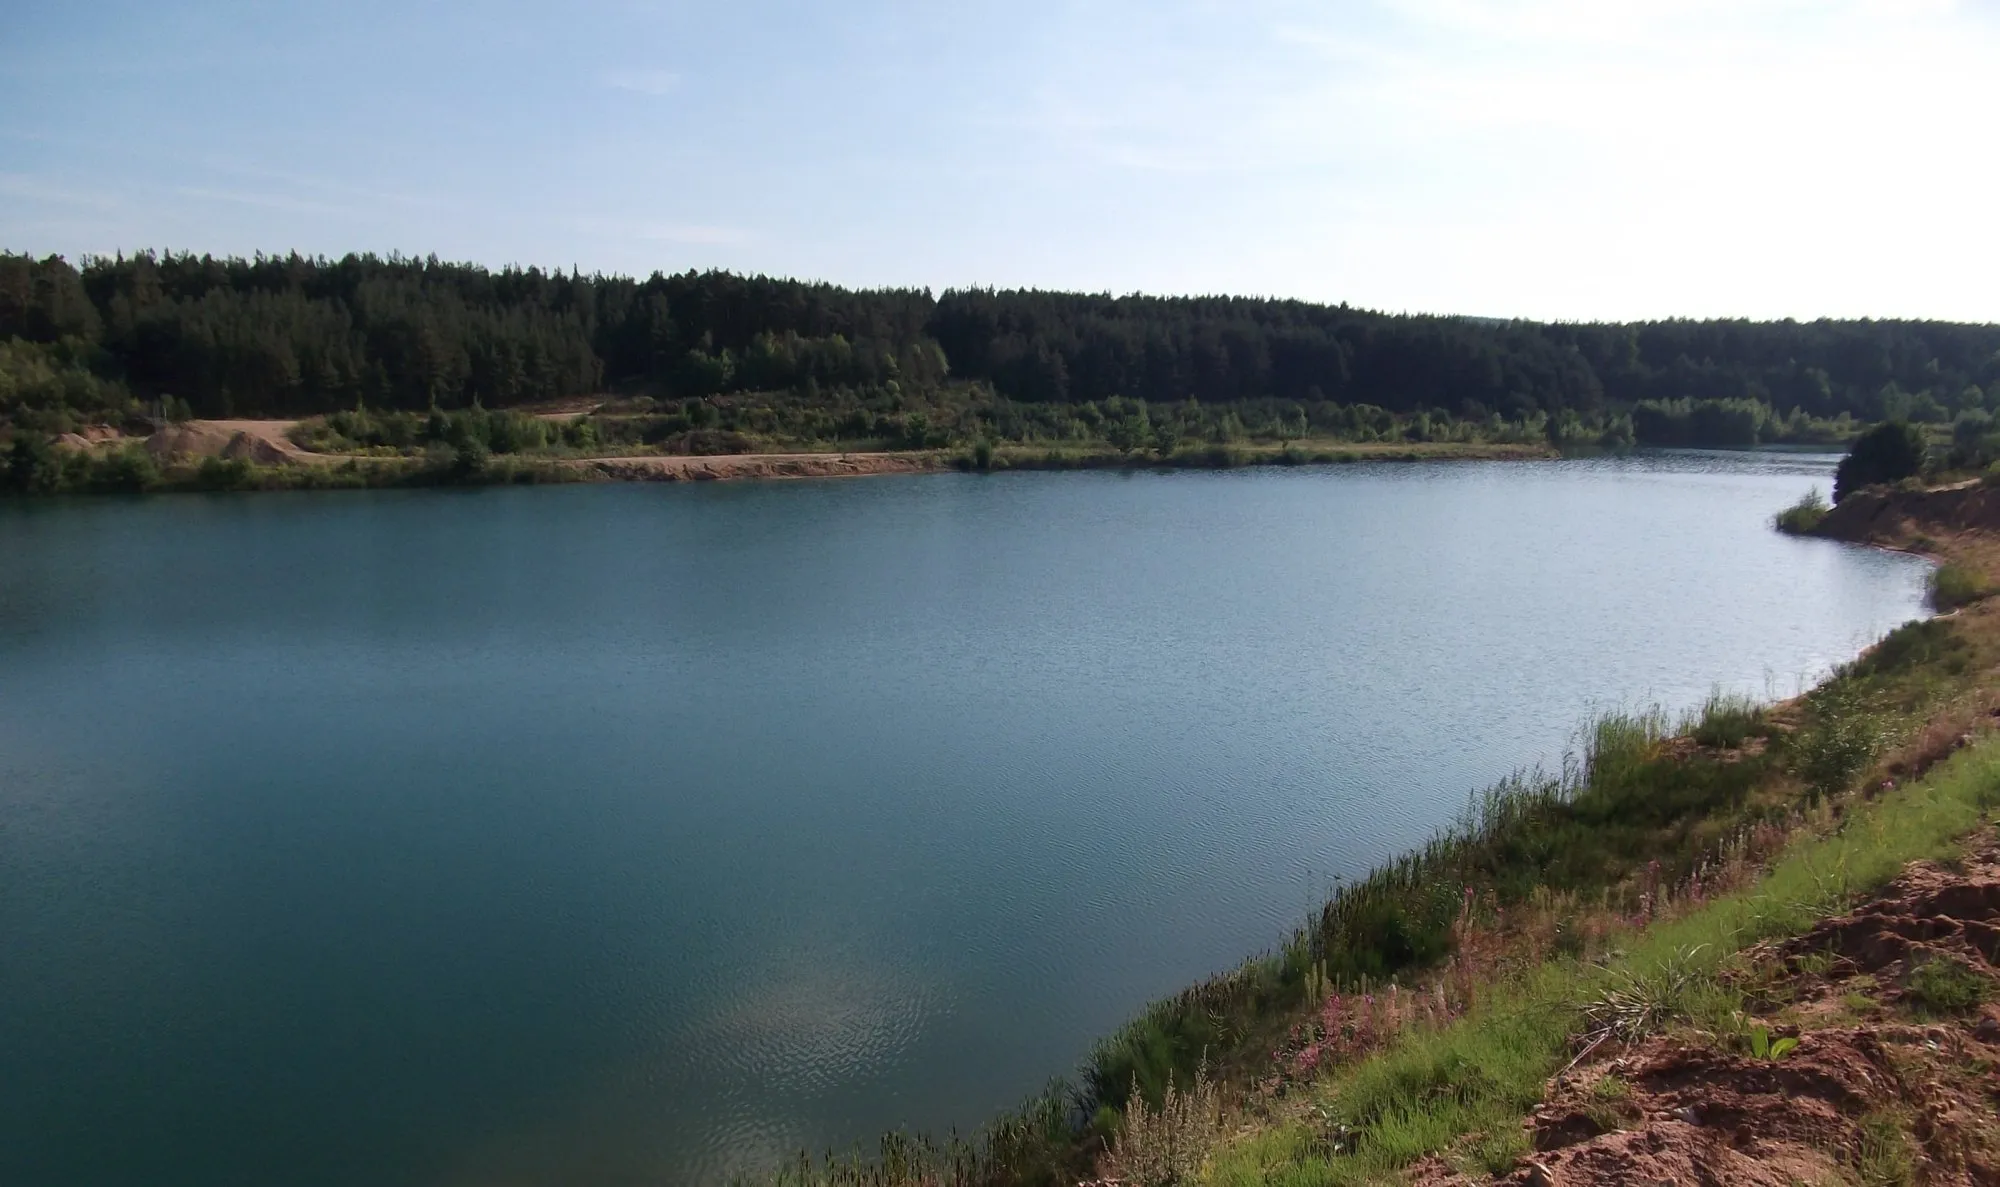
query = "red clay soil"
{"x": 1698, "y": 1110}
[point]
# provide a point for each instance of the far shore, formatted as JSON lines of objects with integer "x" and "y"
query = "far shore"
{"x": 261, "y": 454}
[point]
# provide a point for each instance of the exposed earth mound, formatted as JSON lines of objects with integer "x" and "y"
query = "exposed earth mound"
{"x": 191, "y": 440}
{"x": 1884, "y": 515}
{"x": 1893, "y": 1075}
{"x": 250, "y": 448}
{"x": 205, "y": 439}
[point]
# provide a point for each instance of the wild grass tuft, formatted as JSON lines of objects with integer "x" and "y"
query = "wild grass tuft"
{"x": 1166, "y": 1146}
{"x": 1945, "y": 987}
{"x": 1645, "y": 1001}
{"x": 1884, "y": 1157}
{"x": 1724, "y": 721}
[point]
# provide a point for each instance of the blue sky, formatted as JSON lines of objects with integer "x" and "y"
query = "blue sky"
{"x": 1537, "y": 158}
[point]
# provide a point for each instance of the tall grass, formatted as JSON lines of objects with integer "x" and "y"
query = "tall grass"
{"x": 1725, "y": 721}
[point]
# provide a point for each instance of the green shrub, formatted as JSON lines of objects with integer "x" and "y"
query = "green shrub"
{"x": 1803, "y": 516}
{"x": 1952, "y": 586}
{"x": 130, "y": 470}
{"x": 32, "y": 465}
{"x": 1889, "y": 452}
{"x": 1916, "y": 643}
{"x": 1840, "y": 742}
{"x": 217, "y": 473}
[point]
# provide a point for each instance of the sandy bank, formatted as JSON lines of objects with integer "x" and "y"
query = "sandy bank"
{"x": 761, "y": 465}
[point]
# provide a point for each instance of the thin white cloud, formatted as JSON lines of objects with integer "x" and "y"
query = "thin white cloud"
{"x": 643, "y": 82}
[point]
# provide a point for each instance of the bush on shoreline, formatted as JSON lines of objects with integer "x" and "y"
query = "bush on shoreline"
{"x": 1802, "y": 517}
{"x": 1952, "y": 586}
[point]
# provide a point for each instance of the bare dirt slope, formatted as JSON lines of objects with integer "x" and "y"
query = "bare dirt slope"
{"x": 273, "y": 433}
{"x": 261, "y": 441}
{"x": 1890, "y": 517}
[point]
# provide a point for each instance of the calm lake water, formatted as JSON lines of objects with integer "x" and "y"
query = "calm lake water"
{"x": 641, "y": 834}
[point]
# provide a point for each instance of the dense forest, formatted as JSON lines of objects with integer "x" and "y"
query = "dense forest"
{"x": 292, "y": 336}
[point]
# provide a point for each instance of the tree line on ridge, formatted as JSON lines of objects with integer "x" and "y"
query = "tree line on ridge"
{"x": 299, "y": 336}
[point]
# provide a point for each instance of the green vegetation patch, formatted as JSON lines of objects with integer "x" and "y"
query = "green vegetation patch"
{"x": 1888, "y": 453}
{"x": 1945, "y": 987}
{"x": 1885, "y": 1157}
{"x": 1953, "y": 585}
{"x": 1802, "y": 517}
{"x": 1725, "y": 721}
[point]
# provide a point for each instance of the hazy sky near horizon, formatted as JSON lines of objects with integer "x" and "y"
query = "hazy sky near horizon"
{"x": 1536, "y": 158}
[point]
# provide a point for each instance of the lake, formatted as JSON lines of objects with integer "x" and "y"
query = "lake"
{"x": 644, "y": 834}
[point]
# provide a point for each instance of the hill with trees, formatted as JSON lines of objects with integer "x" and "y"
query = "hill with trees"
{"x": 296, "y": 336}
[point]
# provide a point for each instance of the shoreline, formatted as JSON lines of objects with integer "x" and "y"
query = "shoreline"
{"x": 1269, "y": 1069}
{"x": 253, "y": 455}
{"x": 857, "y": 464}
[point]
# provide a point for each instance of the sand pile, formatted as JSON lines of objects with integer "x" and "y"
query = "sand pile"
{"x": 257, "y": 450}
{"x": 191, "y": 440}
